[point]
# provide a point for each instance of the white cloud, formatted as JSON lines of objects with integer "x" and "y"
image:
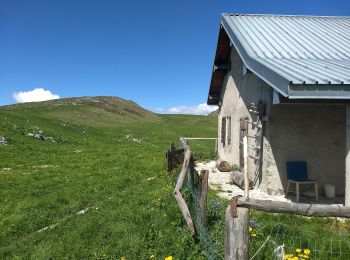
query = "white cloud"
{"x": 201, "y": 109}
{"x": 37, "y": 94}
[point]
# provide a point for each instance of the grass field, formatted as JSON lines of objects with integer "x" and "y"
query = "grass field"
{"x": 97, "y": 187}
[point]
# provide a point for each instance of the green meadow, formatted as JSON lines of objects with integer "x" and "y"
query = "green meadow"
{"x": 97, "y": 186}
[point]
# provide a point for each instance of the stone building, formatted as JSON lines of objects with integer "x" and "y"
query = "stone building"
{"x": 285, "y": 82}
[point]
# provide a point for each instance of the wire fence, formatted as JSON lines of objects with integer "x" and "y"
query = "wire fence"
{"x": 286, "y": 236}
{"x": 211, "y": 233}
{"x": 271, "y": 235}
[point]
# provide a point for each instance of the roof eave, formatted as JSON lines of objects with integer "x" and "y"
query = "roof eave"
{"x": 319, "y": 91}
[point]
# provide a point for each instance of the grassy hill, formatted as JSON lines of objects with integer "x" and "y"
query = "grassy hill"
{"x": 96, "y": 187}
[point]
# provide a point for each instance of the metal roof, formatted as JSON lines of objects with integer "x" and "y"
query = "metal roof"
{"x": 293, "y": 53}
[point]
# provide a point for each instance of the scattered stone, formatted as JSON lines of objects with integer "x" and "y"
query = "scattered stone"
{"x": 83, "y": 211}
{"x": 40, "y": 135}
{"x": 44, "y": 166}
{"x": 49, "y": 138}
{"x": 30, "y": 134}
{"x": 137, "y": 140}
{"x": 3, "y": 140}
{"x": 151, "y": 178}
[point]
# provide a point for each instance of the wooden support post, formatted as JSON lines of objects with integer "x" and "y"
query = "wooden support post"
{"x": 236, "y": 234}
{"x": 183, "y": 142}
{"x": 245, "y": 172}
{"x": 203, "y": 191}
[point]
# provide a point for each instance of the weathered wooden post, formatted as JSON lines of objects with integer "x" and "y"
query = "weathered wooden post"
{"x": 178, "y": 196}
{"x": 245, "y": 169}
{"x": 236, "y": 234}
{"x": 203, "y": 191}
{"x": 190, "y": 176}
{"x": 183, "y": 142}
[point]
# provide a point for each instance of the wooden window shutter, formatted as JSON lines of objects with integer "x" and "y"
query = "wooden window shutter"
{"x": 229, "y": 130}
{"x": 243, "y": 131}
{"x": 223, "y": 130}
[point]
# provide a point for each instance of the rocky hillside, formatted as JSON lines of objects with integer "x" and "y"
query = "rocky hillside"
{"x": 113, "y": 105}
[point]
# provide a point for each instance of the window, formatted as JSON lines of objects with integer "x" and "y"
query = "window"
{"x": 243, "y": 131}
{"x": 223, "y": 130}
{"x": 226, "y": 130}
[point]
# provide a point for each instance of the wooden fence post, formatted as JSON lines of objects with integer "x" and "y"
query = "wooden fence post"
{"x": 183, "y": 142}
{"x": 203, "y": 191}
{"x": 236, "y": 234}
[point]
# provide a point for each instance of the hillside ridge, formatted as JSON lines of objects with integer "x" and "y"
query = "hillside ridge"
{"x": 110, "y": 104}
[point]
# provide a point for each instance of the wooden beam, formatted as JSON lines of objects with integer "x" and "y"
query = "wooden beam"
{"x": 245, "y": 169}
{"x": 303, "y": 209}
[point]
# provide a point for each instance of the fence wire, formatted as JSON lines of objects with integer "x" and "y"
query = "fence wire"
{"x": 289, "y": 238}
{"x": 271, "y": 236}
{"x": 210, "y": 234}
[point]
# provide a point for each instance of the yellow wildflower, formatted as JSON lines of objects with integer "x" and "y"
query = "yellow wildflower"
{"x": 254, "y": 235}
{"x": 123, "y": 258}
{"x": 306, "y": 257}
{"x": 295, "y": 258}
{"x": 298, "y": 250}
{"x": 168, "y": 258}
{"x": 151, "y": 257}
{"x": 250, "y": 229}
{"x": 307, "y": 251}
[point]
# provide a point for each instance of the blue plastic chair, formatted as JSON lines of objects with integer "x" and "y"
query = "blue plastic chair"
{"x": 297, "y": 173}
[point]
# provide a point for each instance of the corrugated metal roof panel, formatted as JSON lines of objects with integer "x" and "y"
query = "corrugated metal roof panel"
{"x": 292, "y": 50}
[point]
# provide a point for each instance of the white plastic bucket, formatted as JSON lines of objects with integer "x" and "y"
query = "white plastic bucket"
{"x": 329, "y": 191}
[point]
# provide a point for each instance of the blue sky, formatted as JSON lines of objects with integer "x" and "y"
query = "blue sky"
{"x": 157, "y": 53}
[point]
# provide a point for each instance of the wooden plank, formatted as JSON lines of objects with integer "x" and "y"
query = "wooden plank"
{"x": 185, "y": 212}
{"x": 245, "y": 169}
{"x": 203, "y": 191}
{"x": 303, "y": 209}
{"x": 236, "y": 235}
{"x": 183, "y": 173}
